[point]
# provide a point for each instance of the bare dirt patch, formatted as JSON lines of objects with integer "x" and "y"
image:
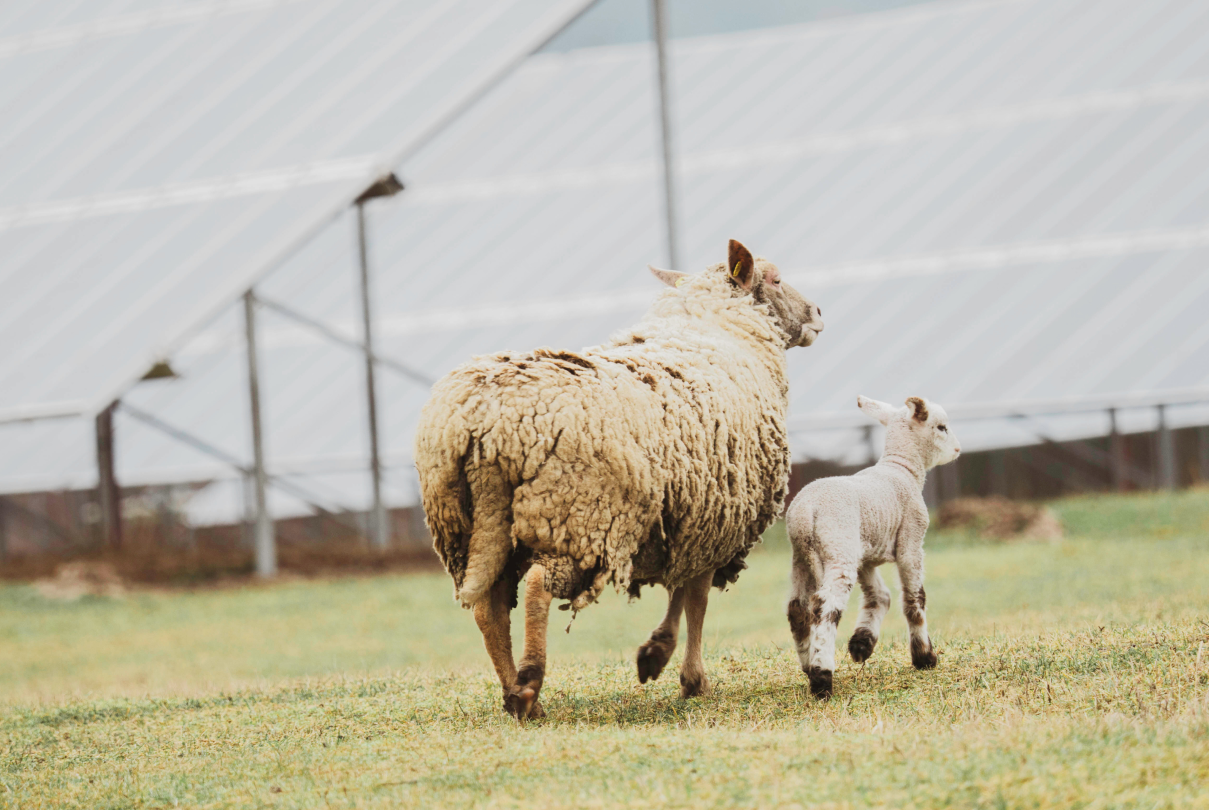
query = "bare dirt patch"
{"x": 998, "y": 518}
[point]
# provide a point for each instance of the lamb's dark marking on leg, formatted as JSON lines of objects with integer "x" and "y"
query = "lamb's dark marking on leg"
{"x": 861, "y": 645}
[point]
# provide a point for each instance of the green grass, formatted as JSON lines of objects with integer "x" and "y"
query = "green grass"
{"x": 1073, "y": 674}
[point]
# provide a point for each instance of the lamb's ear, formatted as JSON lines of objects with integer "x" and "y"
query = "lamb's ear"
{"x": 740, "y": 265}
{"x": 669, "y": 277}
{"x": 881, "y": 411}
{"x": 919, "y": 409}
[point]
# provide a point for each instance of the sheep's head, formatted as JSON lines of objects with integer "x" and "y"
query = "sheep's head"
{"x": 801, "y": 320}
{"x": 920, "y": 429}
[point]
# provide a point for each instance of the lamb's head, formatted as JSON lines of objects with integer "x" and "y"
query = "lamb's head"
{"x": 801, "y": 320}
{"x": 919, "y": 430}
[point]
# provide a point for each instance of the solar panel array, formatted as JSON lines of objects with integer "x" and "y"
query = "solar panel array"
{"x": 158, "y": 156}
{"x": 1000, "y": 205}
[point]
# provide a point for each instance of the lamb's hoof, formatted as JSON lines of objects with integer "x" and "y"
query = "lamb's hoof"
{"x": 861, "y": 645}
{"x": 654, "y": 655}
{"x": 820, "y": 683}
{"x": 693, "y": 686}
{"x": 521, "y": 703}
{"x": 923, "y": 657}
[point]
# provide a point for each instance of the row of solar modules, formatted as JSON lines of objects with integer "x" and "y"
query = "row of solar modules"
{"x": 992, "y": 202}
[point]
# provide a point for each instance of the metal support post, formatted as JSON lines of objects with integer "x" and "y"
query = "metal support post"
{"x": 264, "y": 541}
{"x": 1116, "y": 451}
{"x": 931, "y": 489}
{"x": 109, "y": 493}
{"x": 379, "y": 525}
{"x": 950, "y": 483}
{"x": 1167, "y": 471}
{"x": 1203, "y": 435}
{"x": 997, "y": 462}
{"x": 659, "y": 13}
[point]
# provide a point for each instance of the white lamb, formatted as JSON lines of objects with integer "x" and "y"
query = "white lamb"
{"x": 843, "y": 528}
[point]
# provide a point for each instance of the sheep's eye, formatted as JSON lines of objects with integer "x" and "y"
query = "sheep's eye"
{"x": 942, "y": 428}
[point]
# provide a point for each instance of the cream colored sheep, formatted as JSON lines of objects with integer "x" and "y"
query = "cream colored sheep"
{"x": 843, "y": 528}
{"x": 658, "y": 457}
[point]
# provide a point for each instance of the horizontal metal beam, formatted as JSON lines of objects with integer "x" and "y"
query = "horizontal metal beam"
{"x": 69, "y": 409}
{"x": 825, "y": 420}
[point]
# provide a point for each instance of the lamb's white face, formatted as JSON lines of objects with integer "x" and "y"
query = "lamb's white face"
{"x": 945, "y": 447}
{"x": 920, "y": 424}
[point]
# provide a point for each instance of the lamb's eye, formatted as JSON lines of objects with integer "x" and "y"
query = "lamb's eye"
{"x": 942, "y": 428}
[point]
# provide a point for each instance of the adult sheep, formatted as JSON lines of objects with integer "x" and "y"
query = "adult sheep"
{"x": 657, "y": 458}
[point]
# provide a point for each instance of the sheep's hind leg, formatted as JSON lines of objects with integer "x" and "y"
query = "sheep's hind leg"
{"x": 693, "y": 681}
{"x": 521, "y": 699}
{"x": 826, "y": 608}
{"x": 492, "y": 614}
{"x": 802, "y": 587}
{"x": 657, "y": 651}
{"x": 873, "y": 611}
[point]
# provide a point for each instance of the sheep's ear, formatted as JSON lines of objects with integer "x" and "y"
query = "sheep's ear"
{"x": 740, "y": 265}
{"x": 919, "y": 409}
{"x": 881, "y": 411}
{"x": 669, "y": 277}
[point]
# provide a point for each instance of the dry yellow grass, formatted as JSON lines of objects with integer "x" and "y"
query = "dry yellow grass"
{"x": 1072, "y": 675}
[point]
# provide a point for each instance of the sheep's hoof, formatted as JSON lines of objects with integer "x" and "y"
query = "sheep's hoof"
{"x": 820, "y": 683}
{"x": 654, "y": 655}
{"x": 861, "y": 645}
{"x": 693, "y": 686}
{"x": 521, "y": 703}
{"x": 923, "y": 657}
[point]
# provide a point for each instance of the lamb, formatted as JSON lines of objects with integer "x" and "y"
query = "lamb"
{"x": 657, "y": 458}
{"x": 843, "y": 528}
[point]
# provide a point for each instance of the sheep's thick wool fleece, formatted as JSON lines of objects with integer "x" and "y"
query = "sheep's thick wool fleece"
{"x": 667, "y": 444}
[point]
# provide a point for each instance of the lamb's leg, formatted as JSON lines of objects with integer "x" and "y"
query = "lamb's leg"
{"x": 492, "y": 613}
{"x": 873, "y": 611}
{"x": 521, "y": 700}
{"x": 802, "y": 587}
{"x": 826, "y": 608}
{"x": 692, "y": 672}
{"x": 655, "y": 653}
{"x": 911, "y": 575}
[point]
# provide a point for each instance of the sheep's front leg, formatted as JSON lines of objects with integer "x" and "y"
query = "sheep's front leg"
{"x": 492, "y": 613}
{"x": 826, "y": 608}
{"x": 911, "y": 575}
{"x": 521, "y": 699}
{"x": 693, "y": 682}
{"x": 802, "y": 588}
{"x": 657, "y": 651}
{"x": 873, "y": 611}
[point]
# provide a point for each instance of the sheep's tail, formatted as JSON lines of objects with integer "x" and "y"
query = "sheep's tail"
{"x": 468, "y": 509}
{"x": 490, "y": 542}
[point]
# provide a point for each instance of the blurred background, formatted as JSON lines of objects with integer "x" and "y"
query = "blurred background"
{"x": 239, "y": 240}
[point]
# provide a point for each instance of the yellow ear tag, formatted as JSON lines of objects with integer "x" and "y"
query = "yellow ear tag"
{"x": 735, "y": 274}
{"x": 680, "y": 282}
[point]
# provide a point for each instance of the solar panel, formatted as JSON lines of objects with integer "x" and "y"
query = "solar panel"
{"x": 996, "y": 204}
{"x": 158, "y": 160}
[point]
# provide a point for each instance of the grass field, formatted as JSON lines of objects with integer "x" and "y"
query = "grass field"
{"x": 1073, "y": 674}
